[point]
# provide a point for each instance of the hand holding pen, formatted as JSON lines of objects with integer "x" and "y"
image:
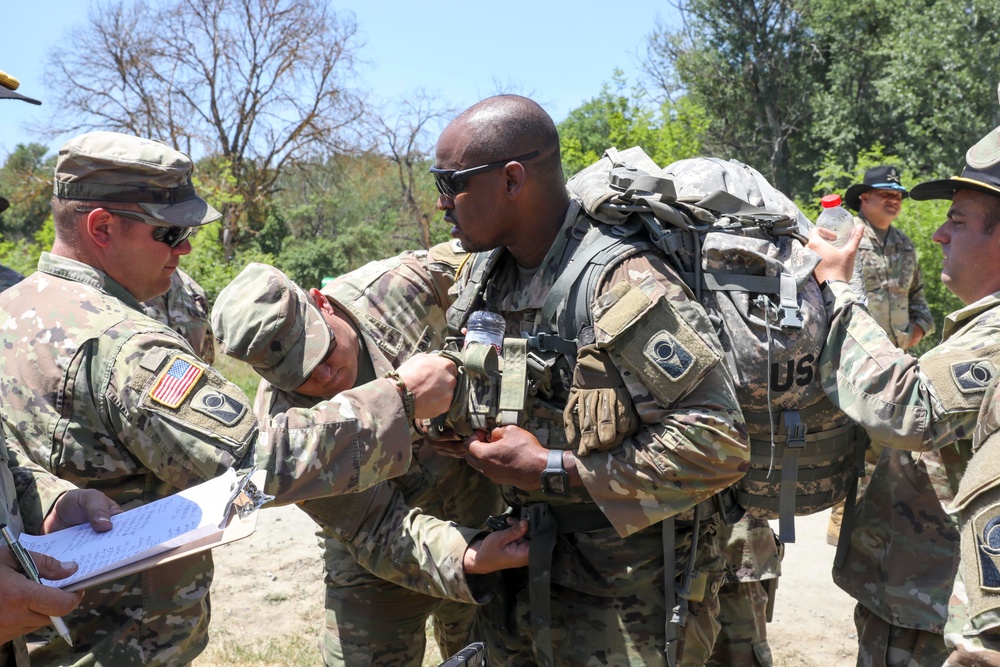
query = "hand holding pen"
{"x": 26, "y": 604}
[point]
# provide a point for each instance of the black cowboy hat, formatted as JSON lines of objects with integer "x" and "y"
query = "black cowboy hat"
{"x": 883, "y": 177}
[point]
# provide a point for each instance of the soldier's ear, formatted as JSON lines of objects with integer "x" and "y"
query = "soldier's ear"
{"x": 101, "y": 227}
{"x": 320, "y": 300}
{"x": 515, "y": 173}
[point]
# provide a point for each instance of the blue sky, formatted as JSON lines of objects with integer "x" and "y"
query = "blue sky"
{"x": 559, "y": 53}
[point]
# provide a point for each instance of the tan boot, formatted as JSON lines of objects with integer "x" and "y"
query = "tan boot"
{"x": 833, "y": 528}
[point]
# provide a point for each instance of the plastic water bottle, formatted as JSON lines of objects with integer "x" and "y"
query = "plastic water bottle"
{"x": 485, "y": 327}
{"x": 839, "y": 220}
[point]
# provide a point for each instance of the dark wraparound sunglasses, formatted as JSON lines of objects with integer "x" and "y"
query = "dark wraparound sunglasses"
{"x": 173, "y": 236}
{"x": 451, "y": 182}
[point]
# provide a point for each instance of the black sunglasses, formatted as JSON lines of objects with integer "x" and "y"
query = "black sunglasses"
{"x": 173, "y": 236}
{"x": 451, "y": 182}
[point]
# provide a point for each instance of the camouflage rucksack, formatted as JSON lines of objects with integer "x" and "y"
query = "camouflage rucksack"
{"x": 738, "y": 243}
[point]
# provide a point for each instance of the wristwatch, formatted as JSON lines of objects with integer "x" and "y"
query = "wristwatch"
{"x": 555, "y": 479}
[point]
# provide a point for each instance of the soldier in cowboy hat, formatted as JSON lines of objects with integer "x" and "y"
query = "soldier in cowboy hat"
{"x": 892, "y": 279}
{"x": 905, "y": 543}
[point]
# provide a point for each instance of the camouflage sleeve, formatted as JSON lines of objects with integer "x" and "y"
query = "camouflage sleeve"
{"x": 692, "y": 441}
{"x": 186, "y": 423}
{"x": 180, "y": 418}
{"x": 37, "y": 489}
{"x": 920, "y": 311}
{"x": 399, "y": 544}
{"x": 388, "y": 538}
{"x": 346, "y": 444}
{"x": 903, "y": 402}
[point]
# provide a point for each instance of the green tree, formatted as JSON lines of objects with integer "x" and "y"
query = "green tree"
{"x": 25, "y": 181}
{"x": 622, "y": 115}
{"x": 753, "y": 66}
{"x": 911, "y": 76}
{"x": 261, "y": 84}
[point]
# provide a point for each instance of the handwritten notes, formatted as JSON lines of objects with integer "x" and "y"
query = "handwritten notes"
{"x": 141, "y": 532}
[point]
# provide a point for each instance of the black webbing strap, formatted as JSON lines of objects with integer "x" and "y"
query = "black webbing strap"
{"x": 670, "y": 590}
{"x": 545, "y": 524}
{"x": 847, "y": 522}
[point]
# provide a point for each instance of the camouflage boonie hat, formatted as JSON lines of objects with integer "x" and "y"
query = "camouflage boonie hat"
{"x": 266, "y": 320}
{"x": 113, "y": 167}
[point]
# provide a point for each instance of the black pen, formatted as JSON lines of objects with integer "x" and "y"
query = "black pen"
{"x": 31, "y": 571}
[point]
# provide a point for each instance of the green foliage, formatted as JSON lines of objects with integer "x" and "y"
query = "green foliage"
{"x": 752, "y": 66}
{"x": 239, "y": 373}
{"x": 209, "y": 265}
{"x": 912, "y": 76}
{"x": 22, "y": 256}
{"x": 25, "y": 181}
{"x": 623, "y": 116}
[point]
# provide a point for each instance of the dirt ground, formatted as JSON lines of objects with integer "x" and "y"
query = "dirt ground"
{"x": 267, "y": 599}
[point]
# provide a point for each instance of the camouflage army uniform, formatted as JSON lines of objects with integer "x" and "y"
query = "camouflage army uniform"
{"x": 896, "y": 300}
{"x": 9, "y": 277}
{"x": 607, "y": 585}
{"x": 24, "y": 503}
{"x": 893, "y": 284}
{"x": 904, "y": 547}
{"x": 81, "y": 380}
{"x": 184, "y": 308}
{"x": 973, "y": 627}
{"x": 751, "y": 551}
{"x": 388, "y": 561}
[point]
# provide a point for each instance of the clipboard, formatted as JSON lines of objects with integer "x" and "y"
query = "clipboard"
{"x": 239, "y": 521}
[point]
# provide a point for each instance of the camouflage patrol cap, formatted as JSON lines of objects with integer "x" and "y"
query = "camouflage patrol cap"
{"x": 266, "y": 320}
{"x": 113, "y": 167}
{"x": 981, "y": 172}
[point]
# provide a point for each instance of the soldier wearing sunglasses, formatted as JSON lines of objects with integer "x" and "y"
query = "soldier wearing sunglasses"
{"x": 106, "y": 397}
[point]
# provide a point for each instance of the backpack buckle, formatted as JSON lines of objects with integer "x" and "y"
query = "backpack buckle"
{"x": 795, "y": 430}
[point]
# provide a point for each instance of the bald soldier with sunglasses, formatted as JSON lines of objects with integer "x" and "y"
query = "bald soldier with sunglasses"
{"x": 106, "y": 397}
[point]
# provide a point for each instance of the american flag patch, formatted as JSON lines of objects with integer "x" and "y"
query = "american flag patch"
{"x": 175, "y": 383}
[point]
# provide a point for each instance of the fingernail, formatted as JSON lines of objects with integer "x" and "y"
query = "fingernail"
{"x": 68, "y": 564}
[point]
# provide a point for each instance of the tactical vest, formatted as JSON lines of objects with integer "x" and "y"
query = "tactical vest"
{"x": 547, "y": 360}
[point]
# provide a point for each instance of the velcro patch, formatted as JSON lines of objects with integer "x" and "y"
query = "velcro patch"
{"x": 667, "y": 352}
{"x": 973, "y": 376}
{"x": 175, "y": 382}
{"x": 218, "y": 406}
{"x": 986, "y": 528}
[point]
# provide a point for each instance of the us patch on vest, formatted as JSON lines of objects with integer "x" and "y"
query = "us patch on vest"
{"x": 212, "y": 402}
{"x": 987, "y": 531}
{"x": 667, "y": 352}
{"x": 973, "y": 376}
{"x": 175, "y": 383}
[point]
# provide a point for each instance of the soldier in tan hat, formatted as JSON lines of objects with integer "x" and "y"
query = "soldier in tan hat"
{"x": 407, "y": 549}
{"x": 905, "y": 544}
{"x": 101, "y": 395}
{"x": 36, "y": 502}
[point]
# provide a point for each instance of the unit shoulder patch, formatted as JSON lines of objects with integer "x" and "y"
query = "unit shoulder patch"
{"x": 217, "y": 405}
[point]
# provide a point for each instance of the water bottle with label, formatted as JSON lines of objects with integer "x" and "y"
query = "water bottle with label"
{"x": 485, "y": 327}
{"x": 839, "y": 220}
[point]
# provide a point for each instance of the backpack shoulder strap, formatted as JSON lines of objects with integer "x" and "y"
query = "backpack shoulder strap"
{"x": 480, "y": 265}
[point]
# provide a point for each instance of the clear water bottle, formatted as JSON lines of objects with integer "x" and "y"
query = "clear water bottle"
{"x": 485, "y": 327}
{"x": 840, "y": 221}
